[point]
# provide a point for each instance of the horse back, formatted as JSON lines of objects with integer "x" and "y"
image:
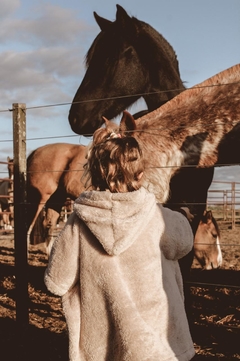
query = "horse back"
{"x": 54, "y": 164}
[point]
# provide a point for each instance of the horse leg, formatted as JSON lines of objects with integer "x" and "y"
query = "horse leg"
{"x": 53, "y": 211}
{"x": 36, "y": 202}
{"x": 31, "y": 236}
{"x": 49, "y": 226}
{"x": 6, "y": 220}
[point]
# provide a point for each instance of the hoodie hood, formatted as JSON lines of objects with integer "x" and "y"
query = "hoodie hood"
{"x": 116, "y": 219}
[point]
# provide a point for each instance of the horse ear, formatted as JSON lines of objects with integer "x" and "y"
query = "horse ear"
{"x": 208, "y": 216}
{"x": 106, "y": 121}
{"x": 122, "y": 16}
{"x": 127, "y": 124}
{"x": 102, "y": 23}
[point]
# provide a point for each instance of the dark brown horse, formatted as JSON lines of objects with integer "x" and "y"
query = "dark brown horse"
{"x": 127, "y": 60}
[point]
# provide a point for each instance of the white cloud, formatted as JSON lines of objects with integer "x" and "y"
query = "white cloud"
{"x": 51, "y": 26}
{"x": 46, "y": 75}
{"x": 8, "y": 7}
{"x": 42, "y": 59}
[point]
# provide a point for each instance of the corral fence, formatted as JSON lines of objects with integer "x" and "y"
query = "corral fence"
{"x": 224, "y": 202}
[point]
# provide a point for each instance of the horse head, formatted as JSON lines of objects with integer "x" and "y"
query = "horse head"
{"x": 126, "y": 60}
{"x": 207, "y": 242}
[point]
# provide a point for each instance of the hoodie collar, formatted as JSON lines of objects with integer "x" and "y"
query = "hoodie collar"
{"x": 116, "y": 219}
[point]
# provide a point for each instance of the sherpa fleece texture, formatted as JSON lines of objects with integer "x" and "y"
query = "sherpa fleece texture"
{"x": 115, "y": 266}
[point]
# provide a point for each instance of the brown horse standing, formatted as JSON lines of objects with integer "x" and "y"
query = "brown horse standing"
{"x": 53, "y": 171}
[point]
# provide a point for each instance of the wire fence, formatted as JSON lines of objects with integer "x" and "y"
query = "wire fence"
{"x": 224, "y": 202}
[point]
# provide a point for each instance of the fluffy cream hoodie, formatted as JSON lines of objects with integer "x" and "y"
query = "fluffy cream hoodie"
{"x": 115, "y": 266}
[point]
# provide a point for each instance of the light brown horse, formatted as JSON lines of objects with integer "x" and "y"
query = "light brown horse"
{"x": 198, "y": 128}
{"x": 54, "y": 172}
{"x": 207, "y": 248}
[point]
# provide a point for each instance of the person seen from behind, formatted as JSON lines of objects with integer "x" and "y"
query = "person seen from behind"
{"x": 115, "y": 264}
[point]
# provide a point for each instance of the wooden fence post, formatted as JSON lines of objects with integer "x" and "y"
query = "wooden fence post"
{"x": 225, "y": 206}
{"x": 233, "y": 206}
{"x": 20, "y": 217}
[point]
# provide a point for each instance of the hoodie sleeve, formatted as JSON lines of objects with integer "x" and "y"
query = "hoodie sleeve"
{"x": 177, "y": 238}
{"x": 62, "y": 271}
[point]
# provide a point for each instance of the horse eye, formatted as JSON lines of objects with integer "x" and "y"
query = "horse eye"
{"x": 214, "y": 235}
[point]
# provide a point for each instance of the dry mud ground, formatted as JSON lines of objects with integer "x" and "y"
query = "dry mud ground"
{"x": 215, "y": 306}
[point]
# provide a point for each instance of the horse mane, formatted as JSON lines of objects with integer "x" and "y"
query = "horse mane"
{"x": 156, "y": 44}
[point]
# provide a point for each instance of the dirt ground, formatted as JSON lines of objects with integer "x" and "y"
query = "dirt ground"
{"x": 215, "y": 307}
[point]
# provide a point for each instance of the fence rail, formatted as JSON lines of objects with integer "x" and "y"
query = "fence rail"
{"x": 225, "y": 202}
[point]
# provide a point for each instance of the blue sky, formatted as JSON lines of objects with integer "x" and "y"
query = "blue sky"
{"x": 43, "y": 44}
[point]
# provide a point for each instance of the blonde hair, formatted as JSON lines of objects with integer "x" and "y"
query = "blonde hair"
{"x": 114, "y": 163}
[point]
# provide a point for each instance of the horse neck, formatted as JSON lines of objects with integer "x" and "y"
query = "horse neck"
{"x": 162, "y": 160}
{"x": 163, "y": 81}
{"x": 155, "y": 98}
